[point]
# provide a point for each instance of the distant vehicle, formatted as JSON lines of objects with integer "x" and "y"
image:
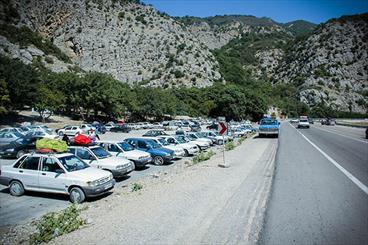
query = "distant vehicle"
{"x": 124, "y": 149}
{"x": 70, "y": 131}
{"x": 213, "y": 126}
{"x": 303, "y": 123}
{"x": 189, "y": 148}
{"x": 159, "y": 154}
{"x": 110, "y": 125}
{"x": 311, "y": 121}
{"x": 294, "y": 120}
{"x": 196, "y": 136}
{"x": 18, "y": 148}
{"x": 98, "y": 157}
{"x": 268, "y": 126}
{"x": 6, "y": 138}
{"x": 21, "y": 130}
{"x": 87, "y": 127}
{"x": 100, "y": 128}
{"x": 154, "y": 133}
{"x": 56, "y": 173}
{"x": 366, "y": 133}
{"x": 215, "y": 137}
{"x": 328, "y": 122}
{"x": 120, "y": 128}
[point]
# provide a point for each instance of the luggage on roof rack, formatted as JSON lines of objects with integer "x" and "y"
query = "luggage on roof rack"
{"x": 46, "y": 145}
{"x": 82, "y": 140}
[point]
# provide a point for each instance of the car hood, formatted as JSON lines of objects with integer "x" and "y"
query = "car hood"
{"x": 187, "y": 145}
{"x": 113, "y": 161}
{"x": 268, "y": 126}
{"x": 89, "y": 174}
{"x": 160, "y": 150}
{"x": 201, "y": 143}
{"x": 135, "y": 154}
{"x": 173, "y": 148}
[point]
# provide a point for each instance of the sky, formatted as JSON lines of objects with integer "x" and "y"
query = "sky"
{"x": 283, "y": 11}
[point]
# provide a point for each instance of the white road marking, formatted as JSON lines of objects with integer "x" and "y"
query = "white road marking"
{"x": 364, "y": 141}
{"x": 338, "y": 166}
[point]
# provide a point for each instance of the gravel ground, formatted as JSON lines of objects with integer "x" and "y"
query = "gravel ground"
{"x": 192, "y": 204}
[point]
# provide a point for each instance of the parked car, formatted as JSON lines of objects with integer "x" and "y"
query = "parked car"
{"x": 189, "y": 148}
{"x": 215, "y": 137}
{"x": 18, "y": 147}
{"x": 154, "y": 133}
{"x": 124, "y": 149}
{"x": 159, "y": 154}
{"x": 202, "y": 145}
{"x": 46, "y": 133}
{"x": 39, "y": 127}
{"x": 21, "y": 130}
{"x": 311, "y": 121}
{"x": 120, "y": 128}
{"x": 178, "y": 151}
{"x": 100, "y": 128}
{"x": 56, "y": 173}
{"x": 6, "y": 138}
{"x": 98, "y": 157}
{"x": 213, "y": 126}
{"x": 70, "y": 131}
{"x": 268, "y": 126}
{"x": 110, "y": 125}
{"x": 87, "y": 127}
{"x": 196, "y": 136}
{"x": 303, "y": 123}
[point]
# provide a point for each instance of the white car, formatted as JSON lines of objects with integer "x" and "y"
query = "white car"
{"x": 124, "y": 149}
{"x": 70, "y": 131}
{"x": 215, "y": 137}
{"x": 195, "y": 136}
{"x": 87, "y": 127}
{"x": 303, "y": 123}
{"x": 178, "y": 151}
{"x": 189, "y": 148}
{"x": 98, "y": 157}
{"x": 46, "y": 133}
{"x": 110, "y": 125}
{"x": 56, "y": 173}
{"x": 202, "y": 145}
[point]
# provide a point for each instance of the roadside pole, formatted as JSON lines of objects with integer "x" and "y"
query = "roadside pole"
{"x": 223, "y": 129}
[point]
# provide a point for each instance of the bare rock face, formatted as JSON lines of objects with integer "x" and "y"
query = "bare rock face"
{"x": 134, "y": 43}
{"x": 331, "y": 66}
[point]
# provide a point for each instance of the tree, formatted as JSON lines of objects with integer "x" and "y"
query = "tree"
{"x": 47, "y": 101}
{"x": 4, "y": 97}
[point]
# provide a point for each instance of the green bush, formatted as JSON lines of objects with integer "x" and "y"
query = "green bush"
{"x": 203, "y": 156}
{"x": 56, "y": 224}
{"x": 229, "y": 146}
{"x": 137, "y": 187}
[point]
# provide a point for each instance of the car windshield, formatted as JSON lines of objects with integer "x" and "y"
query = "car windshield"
{"x": 181, "y": 140}
{"x": 100, "y": 152}
{"x": 154, "y": 144}
{"x": 192, "y": 136}
{"x": 48, "y": 131}
{"x": 126, "y": 146}
{"x": 23, "y": 141}
{"x": 268, "y": 122}
{"x": 72, "y": 163}
{"x": 303, "y": 120}
{"x": 163, "y": 141}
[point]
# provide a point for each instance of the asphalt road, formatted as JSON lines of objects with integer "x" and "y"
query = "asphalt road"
{"x": 319, "y": 196}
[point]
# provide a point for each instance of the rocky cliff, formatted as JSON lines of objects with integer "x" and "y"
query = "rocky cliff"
{"x": 331, "y": 65}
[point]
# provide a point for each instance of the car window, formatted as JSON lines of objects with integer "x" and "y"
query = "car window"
{"x": 72, "y": 163}
{"x": 71, "y": 150}
{"x": 68, "y": 128}
{"x": 171, "y": 140}
{"x": 126, "y": 146}
{"x": 132, "y": 142}
{"x": 50, "y": 165}
{"x": 100, "y": 152}
{"x": 74, "y": 128}
{"x": 142, "y": 144}
{"x": 113, "y": 148}
{"x": 20, "y": 160}
{"x": 84, "y": 154}
{"x": 30, "y": 163}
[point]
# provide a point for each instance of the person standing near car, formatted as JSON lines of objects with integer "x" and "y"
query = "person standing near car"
{"x": 66, "y": 139}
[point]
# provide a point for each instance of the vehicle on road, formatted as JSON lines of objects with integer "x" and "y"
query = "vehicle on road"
{"x": 99, "y": 158}
{"x": 303, "y": 123}
{"x": 154, "y": 133}
{"x": 56, "y": 173}
{"x": 18, "y": 147}
{"x": 268, "y": 126}
{"x": 159, "y": 154}
{"x": 311, "y": 121}
{"x": 124, "y": 149}
{"x": 294, "y": 120}
{"x": 328, "y": 122}
{"x": 366, "y": 133}
{"x": 189, "y": 148}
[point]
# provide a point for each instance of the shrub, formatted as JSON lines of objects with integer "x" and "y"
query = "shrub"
{"x": 56, "y": 224}
{"x": 203, "y": 156}
{"x": 137, "y": 187}
{"x": 229, "y": 146}
{"x": 121, "y": 15}
{"x": 49, "y": 60}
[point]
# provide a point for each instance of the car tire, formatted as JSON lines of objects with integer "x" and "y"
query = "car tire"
{"x": 186, "y": 153}
{"x": 220, "y": 142}
{"x": 157, "y": 160}
{"x": 60, "y": 133}
{"x": 16, "y": 188}
{"x": 20, "y": 153}
{"x": 77, "y": 195}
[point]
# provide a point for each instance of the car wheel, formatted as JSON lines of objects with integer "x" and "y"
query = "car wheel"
{"x": 77, "y": 195}
{"x": 157, "y": 160}
{"x": 60, "y": 133}
{"x": 20, "y": 153}
{"x": 220, "y": 142}
{"x": 186, "y": 153}
{"x": 16, "y": 188}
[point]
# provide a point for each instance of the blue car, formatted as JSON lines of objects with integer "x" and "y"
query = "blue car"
{"x": 268, "y": 126}
{"x": 159, "y": 154}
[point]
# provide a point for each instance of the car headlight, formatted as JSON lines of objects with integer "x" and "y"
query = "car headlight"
{"x": 142, "y": 157}
{"x": 119, "y": 167}
{"x": 9, "y": 150}
{"x": 92, "y": 183}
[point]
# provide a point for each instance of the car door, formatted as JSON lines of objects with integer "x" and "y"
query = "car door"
{"x": 28, "y": 172}
{"x": 142, "y": 145}
{"x": 52, "y": 176}
{"x": 113, "y": 149}
{"x": 87, "y": 156}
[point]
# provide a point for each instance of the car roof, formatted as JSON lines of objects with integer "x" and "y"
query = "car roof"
{"x": 38, "y": 154}
{"x": 84, "y": 146}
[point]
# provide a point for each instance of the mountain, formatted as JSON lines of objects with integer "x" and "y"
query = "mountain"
{"x": 300, "y": 28}
{"x": 331, "y": 65}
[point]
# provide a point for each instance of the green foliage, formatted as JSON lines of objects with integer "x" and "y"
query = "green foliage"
{"x": 229, "y": 146}
{"x": 140, "y": 18}
{"x": 203, "y": 156}
{"x": 300, "y": 28}
{"x": 227, "y": 19}
{"x": 24, "y": 37}
{"x": 4, "y": 97}
{"x": 47, "y": 100}
{"x": 121, "y": 15}
{"x": 56, "y": 224}
{"x": 137, "y": 187}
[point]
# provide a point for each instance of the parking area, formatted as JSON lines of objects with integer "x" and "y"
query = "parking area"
{"x": 32, "y": 205}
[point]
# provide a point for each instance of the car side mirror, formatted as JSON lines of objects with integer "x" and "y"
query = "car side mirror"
{"x": 279, "y": 123}
{"x": 59, "y": 171}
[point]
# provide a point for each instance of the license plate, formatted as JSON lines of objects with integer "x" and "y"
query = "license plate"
{"x": 108, "y": 186}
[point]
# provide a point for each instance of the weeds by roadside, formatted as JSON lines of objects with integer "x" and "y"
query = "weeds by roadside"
{"x": 203, "y": 156}
{"x": 229, "y": 146}
{"x": 137, "y": 187}
{"x": 54, "y": 224}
